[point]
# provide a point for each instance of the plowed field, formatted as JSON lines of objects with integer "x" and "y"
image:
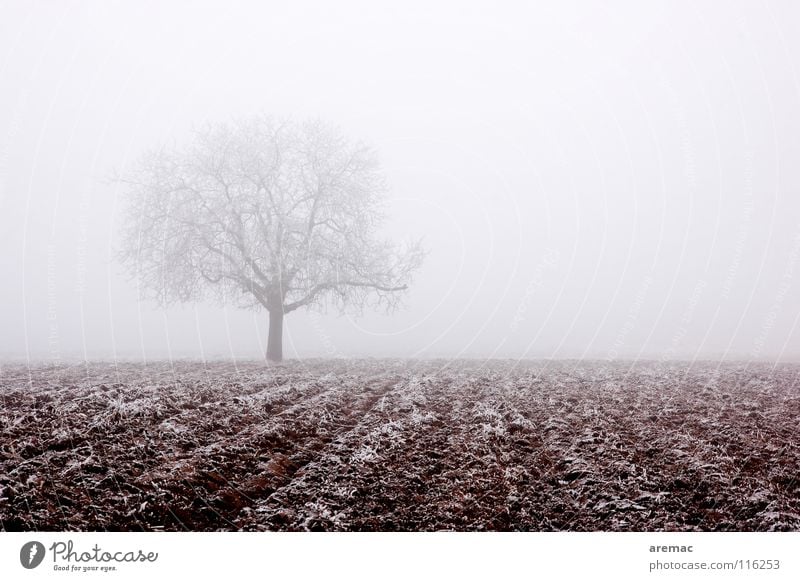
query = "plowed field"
{"x": 400, "y": 445}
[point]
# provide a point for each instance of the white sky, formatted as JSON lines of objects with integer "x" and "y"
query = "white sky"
{"x": 590, "y": 179}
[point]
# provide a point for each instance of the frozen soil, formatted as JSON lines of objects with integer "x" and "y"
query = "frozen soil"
{"x": 400, "y": 445}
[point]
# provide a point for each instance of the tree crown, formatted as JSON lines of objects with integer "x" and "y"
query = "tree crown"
{"x": 264, "y": 213}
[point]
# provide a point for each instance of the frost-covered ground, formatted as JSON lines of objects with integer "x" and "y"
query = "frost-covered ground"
{"x": 400, "y": 445}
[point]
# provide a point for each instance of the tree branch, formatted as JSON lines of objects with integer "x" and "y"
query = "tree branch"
{"x": 316, "y": 290}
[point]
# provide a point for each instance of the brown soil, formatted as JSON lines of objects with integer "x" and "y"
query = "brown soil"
{"x": 391, "y": 445}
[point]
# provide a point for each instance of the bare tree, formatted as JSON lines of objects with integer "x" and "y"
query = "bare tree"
{"x": 266, "y": 214}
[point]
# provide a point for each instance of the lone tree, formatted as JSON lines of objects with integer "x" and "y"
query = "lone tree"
{"x": 265, "y": 214}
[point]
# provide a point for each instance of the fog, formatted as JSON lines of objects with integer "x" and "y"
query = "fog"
{"x": 590, "y": 181}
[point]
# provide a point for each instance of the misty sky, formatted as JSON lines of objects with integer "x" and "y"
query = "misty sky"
{"x": 590, "y": 179}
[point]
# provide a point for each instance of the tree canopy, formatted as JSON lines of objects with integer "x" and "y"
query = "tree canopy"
{"x": 264, "y": 213}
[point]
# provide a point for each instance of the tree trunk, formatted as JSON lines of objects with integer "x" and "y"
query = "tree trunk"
{"x": 275, "y": 341}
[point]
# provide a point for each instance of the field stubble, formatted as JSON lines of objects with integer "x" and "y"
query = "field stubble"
{"x": 400, "y": 445}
